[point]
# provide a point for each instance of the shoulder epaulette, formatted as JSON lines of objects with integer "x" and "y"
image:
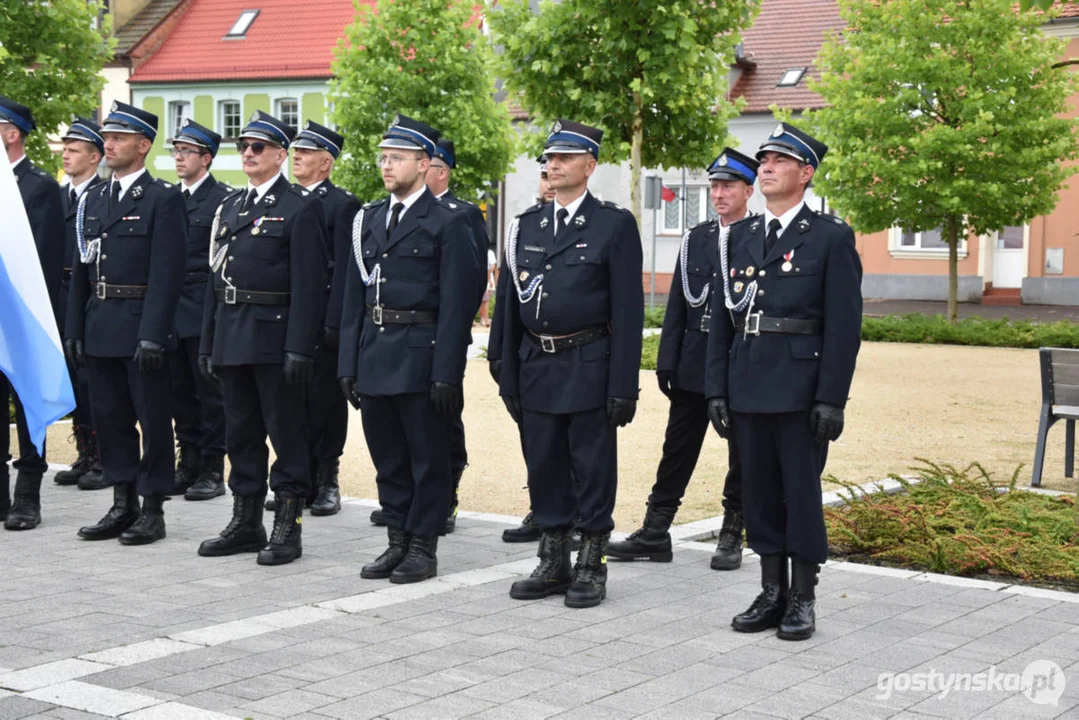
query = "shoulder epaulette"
{"x": 747, "y": 218}
{"x": 226, "y": 188}
{"x": 375, "y": 203}
{"x": 706, "y": 223}
{"x": 163, "y": 183}
{"x": 834, "y": 218}
{"x": 534, "y": 208}
{"x": 41, "y": 172}
{"x": 299, "y": 190}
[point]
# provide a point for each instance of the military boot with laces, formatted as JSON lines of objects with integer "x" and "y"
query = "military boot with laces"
{"x": 187, "y": 470}
{"x": 728, "y": 554}
{"x": 589, "y": 585}
{"x": 25, "y": 512}
{"x": 150, "y": 526}
{"x": 652, "y": 541}
{"x": 94, "y": 479}
{"x": 82, "y": 463}
{"x": 285, "y": 543}
{"x": 328, "y": 498}
{"x": 553, "y": 575}
{"x": 244, "y": 533}
{"x": 122, "y": 515}
{"x": 769, "y": 606}
{"x": 391, "y": 557}
{"x": 800, "y": 621}
{"x": 420, "y": 563}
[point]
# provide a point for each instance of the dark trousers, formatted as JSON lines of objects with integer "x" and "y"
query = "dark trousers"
{"x": 121, "y": 396}
{"x": 782, "y": 465}
{"x": 258, "y": 403}
{"x": 409, "y": 445}
{"x": 29, "y": 461}
{"x": 458, "y": 453}
{"x": 197, "y": 404}
{"x": 687, "y": 425}
{"x": 81, "y": 415}
{"x": 572, "y": 469}
{"x": 327, "y": 410}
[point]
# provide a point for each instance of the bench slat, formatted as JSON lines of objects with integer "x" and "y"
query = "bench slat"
{"x": 1065, "y": 374}
{"x": 1068, "y": 412}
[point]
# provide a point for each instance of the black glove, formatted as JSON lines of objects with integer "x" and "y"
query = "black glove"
{"x": 826, "y": 422}
{"x": 620, "y": 411}
{"x": 720, "y": 416}
{"x": 447, "y": 399}
{"x": 149, "y": 356}
{"x": 298, "y": 368}
{"x": 513, "y": 405}
{"x": 665, "y": 378}
{"x": 74, "y": 353}
{"x": 206, "y": 368}
{"x": 331, "y": 337}
{"x": 495, "y": 368}
{"x": 348, "y": 389}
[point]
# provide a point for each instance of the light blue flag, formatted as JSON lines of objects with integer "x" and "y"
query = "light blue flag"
{"x": 30, "y": 352}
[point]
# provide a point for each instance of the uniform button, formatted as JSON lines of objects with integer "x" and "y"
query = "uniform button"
{"x": 761, "y": 293}
{"x": 104, "y": 257}
{"x": 432, "y": 342}
{"x": 763, "y": 273}
{"x": 545, "y": 323}
{"x": 233, "y": 238}
{"x": 102, "y": 278}
{"x": 582, "y": 257}
{"x": 415, "y": 250}
{"x": 816, "y": 354}
{"x": 544, "y": 294}
{"x": 385, "y": 254}
{"x": 278, "y": 317}
{"x": 104, "y": 235}
{"x": 549, "y": 267}
{"x": 382, "y": 329}
{"x": 229, "y": 279}
{"x": 232, "y": 258}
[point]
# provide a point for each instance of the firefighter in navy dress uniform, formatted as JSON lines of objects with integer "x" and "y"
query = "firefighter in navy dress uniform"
{"x": 680, "y": 372}
{"x": 779, "y": 367}
{"x": 131, "y": 237}
{"x": 315, "y": 150}
{"x": 406, "y": 325}
{"x": 197, "y": 407}
{"x": 570, "y": 361}
{"x": 83, "y": 150}
{"x": 41, "y": 198}
{"x": 260, "y": 326}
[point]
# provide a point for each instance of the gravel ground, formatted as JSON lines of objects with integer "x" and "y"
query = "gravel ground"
{"x": 945, "y": 403}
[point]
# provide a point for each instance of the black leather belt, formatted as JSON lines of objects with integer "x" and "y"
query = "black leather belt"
{"x": 384, "y": 316}
{"x": 196, "y": 277}
{"x": 706, "y": 320}
{"x": 551, "y": 344}
{"x": 234, "y": 296}
{"x": 104, "y": 291}
{"x": 758, "y": 323}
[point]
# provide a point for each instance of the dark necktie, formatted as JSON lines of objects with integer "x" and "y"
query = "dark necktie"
{"x": 114, "y": 195}
{"x": 252, "y": 198}
{"x": 74, "y": 198}
{"x": 563, "y": 219}
{"x": 394, "y": 217}
{"x": 772, "y": 237}
{"x": 187, "y": 194}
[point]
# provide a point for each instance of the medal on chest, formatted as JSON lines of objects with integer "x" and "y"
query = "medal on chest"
{"x": 786, "y": 266}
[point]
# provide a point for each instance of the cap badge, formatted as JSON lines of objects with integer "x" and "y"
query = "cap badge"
{"x": 722, "y": 160}
{"x": 185, "y": 123}
{"x": 254, "y": 116}
{"x": 115, "y": 106}
{"x": 307, "y": 125}
{"x": 557, "y": 127}
{"x": 778, "y": 131}
{"x": 397, "y": 119}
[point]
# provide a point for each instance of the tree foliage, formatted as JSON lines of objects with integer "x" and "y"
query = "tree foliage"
{"x": 51, "y": 57}
{"x": 651, "y": 74}
{"x": 427, "y": 59}
{"x": 943, "y": 114}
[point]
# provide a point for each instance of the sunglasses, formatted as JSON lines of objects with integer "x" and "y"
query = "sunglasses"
{"x": 254, "y": 147}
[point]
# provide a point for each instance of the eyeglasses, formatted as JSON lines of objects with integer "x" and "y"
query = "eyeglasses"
{"x": 394, "y": 159}
{"x": 184, "y": 152}
{"x": 255, "y": 147}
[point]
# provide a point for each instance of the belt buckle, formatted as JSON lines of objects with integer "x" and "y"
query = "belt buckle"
{"x": 753, "y": 324}
{"x": 230, "y": 295}
{"x": 376, "y": 314}
{"x": 101, "y": 290}
{"x": 547, "y": 343}
{"x": 705, "y": 320}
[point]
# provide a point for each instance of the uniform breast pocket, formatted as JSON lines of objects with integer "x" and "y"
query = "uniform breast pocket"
{"x": 806, "y": 348}
{"x": 417, "y": 261}
{"x": 584, "y": 256}
{"x": 200, "y": 221}
{"x": 130, "y": 240}
{"x": 370, "y": 248}
{"x": 270, "y": 242}
{"x": 810, "y": 268}
{"x": 529, "y": 259}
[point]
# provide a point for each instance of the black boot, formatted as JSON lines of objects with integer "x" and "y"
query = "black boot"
{"x": 768, "y": 607}
{"x": 328, "y": 499}
{"x": 651, "y": 542}
{"x": 728, "y": 555}
{"x": 82, "y": 463}
{"x": 5, "y": 491}
{"x": 94, "y": 479}
{"x": 244, "y": 533}
{"x": 25, "y": 512}
{"x": 285, "y": 541}
{"x": 385, "y": 563}
{"x": 451, "y": 519}
{"x": 554, "y": 573}
{"x": 377, "y": 518}
{"x": 122, "y": 515}
{"x": 527, "y": 531}
{"x": 420, "y": 562}
{"x": 150, "y": 527}
{"x": 187, "y": 470}
{"x": 211, "y": 482}
{"x": 590, "y": 573}
{"x": 800, "y": 620}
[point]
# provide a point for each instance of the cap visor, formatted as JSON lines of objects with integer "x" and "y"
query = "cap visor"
{"x": 562, "y": 149}
{"x": 782, "y": 149}
{"x": 255, "y": 135}
{"x": 727, "y": 175}
{"x": 401, "y": 144}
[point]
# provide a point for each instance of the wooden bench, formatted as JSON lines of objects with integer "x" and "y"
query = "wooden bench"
{"x": 1060, "y": 401}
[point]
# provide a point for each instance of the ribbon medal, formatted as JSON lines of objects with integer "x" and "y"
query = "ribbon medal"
{"x": 258, "y": 224}
{"x": 786, "y": 266}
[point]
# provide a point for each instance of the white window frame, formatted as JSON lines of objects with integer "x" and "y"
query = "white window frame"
{"x": 177, "y": 120}
{"x": 222, "y": 125}
{"x": 243, "y": 23}
{"x": 904, "y": 252}
{"x": 702, "y": 211}
{"x": 280, "y": 113}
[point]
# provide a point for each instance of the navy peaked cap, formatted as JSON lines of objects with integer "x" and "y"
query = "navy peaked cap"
{"x": 17, "y": 114}
{"x": 733, "y": 165}
{"x": 86, "y": 131}
{"x": 263, "y": 126}
{"x": 408, "y": 134}
{"x": 571, "y": 137}
{"x": 124, "y": 118}
{"x": 789, "y": 140}
{"x": 319, "y": 137}
{"x": 194, "y": 134}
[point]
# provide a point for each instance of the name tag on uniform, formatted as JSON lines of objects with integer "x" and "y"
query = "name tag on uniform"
{"x": 534, "y": 248}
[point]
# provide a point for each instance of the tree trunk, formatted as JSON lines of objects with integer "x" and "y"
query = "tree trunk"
{"x": 951, "y": 233}
{"x": 635, "y": 160}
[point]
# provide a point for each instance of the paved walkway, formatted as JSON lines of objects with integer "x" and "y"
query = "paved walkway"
{"x": 103, "y": 630}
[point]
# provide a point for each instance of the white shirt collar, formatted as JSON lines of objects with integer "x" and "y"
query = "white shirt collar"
{"x": 127, "y": 181}
{"x": 261, "y": 190}
{"x": 572, "y": 208}
{"x": 439, "y": 196}
{"x": 313, "y": 186}
{"x": 727, "y": 228}
{"x": 17, "y": 162}
{"x": 407, "y": 202}
{"x": 195, "y": 185}
{"x": 81, "y": 187}
{"x": 785, "y": 219}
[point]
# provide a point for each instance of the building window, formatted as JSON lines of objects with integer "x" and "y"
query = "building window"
{"x": 179, "y": 110}
{"x": 698, "y": 208}
{"x": 230, "y": 119}
{"x": 239, "y": 28}
{"x": 1010, "y": 238}
{"x": 925, "y": 240}
{"x": 288, "y": 112}
{"x": 791, "y": 77}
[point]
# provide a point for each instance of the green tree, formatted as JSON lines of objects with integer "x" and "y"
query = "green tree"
{"x": 427, "y": 59}
{"x": 943, "y": 114}
{"x": 51, "y": 57}
{"x": 651, "y": 74}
